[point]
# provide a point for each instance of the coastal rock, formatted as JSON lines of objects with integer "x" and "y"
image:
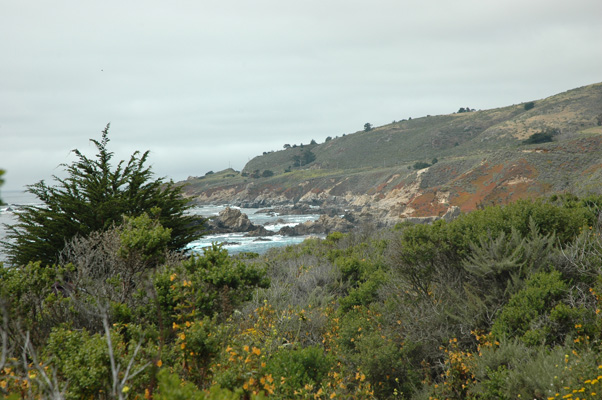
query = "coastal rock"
{"x": 233, "y": 220}
{"x": 323, "y": 225}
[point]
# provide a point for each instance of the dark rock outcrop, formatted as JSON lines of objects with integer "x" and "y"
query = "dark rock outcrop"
{"x": 232, "y": 220}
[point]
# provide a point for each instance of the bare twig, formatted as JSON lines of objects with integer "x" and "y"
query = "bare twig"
{"x": 3, "y": 335}
{"x": 119, "y": 385}
{"x": 50, "y": 387}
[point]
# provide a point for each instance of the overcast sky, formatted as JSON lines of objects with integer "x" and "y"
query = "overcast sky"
{"x": 205, "y": 85}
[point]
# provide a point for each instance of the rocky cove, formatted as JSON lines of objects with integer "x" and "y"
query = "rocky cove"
{"x": 338, "y": 204}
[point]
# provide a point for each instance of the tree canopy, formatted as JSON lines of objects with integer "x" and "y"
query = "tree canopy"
{"x": 94, "y": 197}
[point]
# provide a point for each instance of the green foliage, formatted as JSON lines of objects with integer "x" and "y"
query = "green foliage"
{"x": 497, "y": 267}
{"x": 541, "y": 137}
{"x": 213, "y": 283}
{"x": 303, "y": 158}
{"x": 298, "y": 367}
{"x": 528, "y": 106}
{"x": 82, "y": 360}
{"x": 513, "y": 370}
{"x": 367, "y": 127}
{"x": 364, "y": 293}
{"x": 170, "y": 387}
{"x": 420, "y": 165}
{"x": 267, "y": 173}
{"x": 498, "y": 303}
{"x": 518, "y": 318}
{"x": 30, "y": 293}
{"x": 389, "y": 366}
{"x": 198, "y": 343}
{"x": 93, "y": 197}
{"x": 144, "y": 237}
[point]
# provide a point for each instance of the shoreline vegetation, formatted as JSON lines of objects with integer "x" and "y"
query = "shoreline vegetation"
{"x": 466, "y": 270}
{"x": 497, "y": 303}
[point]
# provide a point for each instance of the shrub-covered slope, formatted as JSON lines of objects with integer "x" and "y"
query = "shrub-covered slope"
{"x": 423, "y": 166}
{"x": 500, "y": 303}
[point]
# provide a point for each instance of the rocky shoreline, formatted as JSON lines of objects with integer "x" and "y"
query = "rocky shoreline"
{"x": 232, "y": 220}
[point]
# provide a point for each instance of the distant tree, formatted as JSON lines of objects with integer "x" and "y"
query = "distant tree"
{"x": 328, "y": 139}
{"x": 599, "y": 120}
{"x": 367, "y": 127}
{"x": 313, "y": 142}
{"x": 297, "y": 160}
{"x": 255, "y": 174}
{"x": 529, "y": 105}
{"x": 435, "y": 161}
{"x": 209, "y": 173}
{"x": 95, "y": 197}
{"x": 307, "y": 157}
{"x": 267, "y": 173}
{"x": 542, "y": 137}
{"x": 287, "y": 146}
{"x": 294, "y": 146}
{"x": 421, "y": 165}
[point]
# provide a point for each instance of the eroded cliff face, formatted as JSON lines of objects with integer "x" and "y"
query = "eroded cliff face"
{"x": 478, "y": 159}
{"x": 396, "y": 193}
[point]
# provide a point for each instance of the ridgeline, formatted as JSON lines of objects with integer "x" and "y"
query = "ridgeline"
{"x": 422, "y": 167}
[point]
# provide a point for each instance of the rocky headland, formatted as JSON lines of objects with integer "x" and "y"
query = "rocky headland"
{"x": 423, "y": 169}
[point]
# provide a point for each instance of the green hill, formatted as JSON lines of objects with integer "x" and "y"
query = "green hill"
{"x": 425, "y": 165}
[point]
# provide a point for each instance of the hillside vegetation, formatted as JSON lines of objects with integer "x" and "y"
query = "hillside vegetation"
{"x": 501, "y": 303}
{"x": 425, "y": 165}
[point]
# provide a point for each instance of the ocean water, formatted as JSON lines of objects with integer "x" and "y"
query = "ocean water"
{"x": 234, "y": 242}
{"x": 238, "y": 243}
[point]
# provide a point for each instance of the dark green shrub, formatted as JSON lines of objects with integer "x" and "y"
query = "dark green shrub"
{"x": 82, "y": 360}
{"x": 198, "y": 342}
{"x": 390, "y": 367}
{"x": 364, "y": 294}
{"x": 542, "y": 137}
{"x": 208, "y": 284}
{"x": 529, "y": 105}
{"x": 518, "y": 318}
{"x": 171, "y": 387}
{"x": 298, "y": 367}
{"x": 421, "y": 165}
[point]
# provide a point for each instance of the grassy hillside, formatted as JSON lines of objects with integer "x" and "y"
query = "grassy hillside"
{"x": 472, "y": 158}
{"x": 445, "y": 136}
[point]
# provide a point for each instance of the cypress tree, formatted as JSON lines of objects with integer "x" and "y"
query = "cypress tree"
{"x": 94, "y": 197}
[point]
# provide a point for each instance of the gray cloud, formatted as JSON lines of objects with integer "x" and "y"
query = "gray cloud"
{"x": 206, "y": 84}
